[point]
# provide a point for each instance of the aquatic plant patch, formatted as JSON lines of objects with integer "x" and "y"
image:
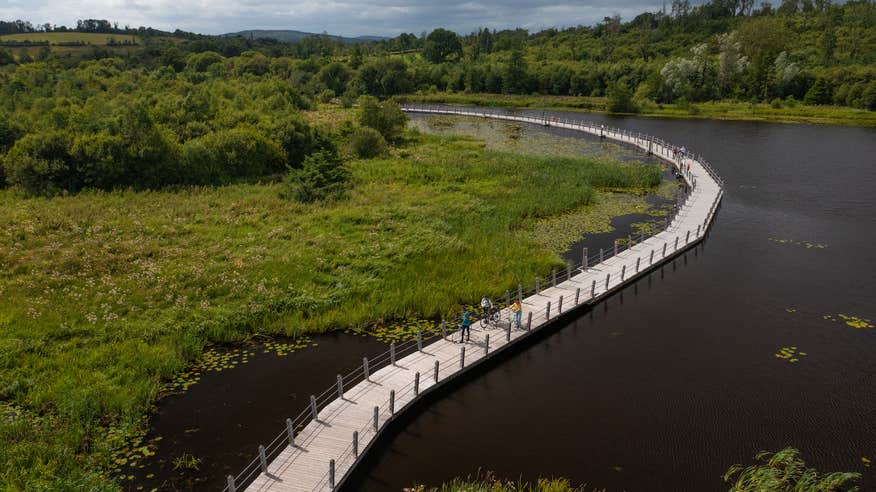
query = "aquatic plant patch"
{"x": 790, "y": 354}
{"x": 805, "y": 244}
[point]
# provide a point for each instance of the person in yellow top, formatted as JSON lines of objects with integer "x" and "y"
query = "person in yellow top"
{"x": 517, "y": 309}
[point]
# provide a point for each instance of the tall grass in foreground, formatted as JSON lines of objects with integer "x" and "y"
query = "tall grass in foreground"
{"x": 486, "y": 482}
{"x": 105, "y": 295}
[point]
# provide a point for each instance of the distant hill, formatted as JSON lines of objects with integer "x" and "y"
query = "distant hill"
{"x": 290, "y": 36}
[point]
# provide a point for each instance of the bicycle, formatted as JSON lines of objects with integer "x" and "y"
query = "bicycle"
{"x": 491, "y": 319}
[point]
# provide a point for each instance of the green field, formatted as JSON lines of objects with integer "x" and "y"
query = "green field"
{"x": 54, "y": 38}
{"x": 722, "y": 110}
{"x": 107, "y": 295}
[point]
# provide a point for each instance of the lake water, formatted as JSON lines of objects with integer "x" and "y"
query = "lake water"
{"x": 667, "y": 384}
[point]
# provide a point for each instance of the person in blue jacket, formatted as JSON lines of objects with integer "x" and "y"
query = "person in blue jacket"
{"x": 465, "y": 327}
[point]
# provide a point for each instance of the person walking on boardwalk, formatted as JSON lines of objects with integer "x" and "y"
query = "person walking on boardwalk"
{"x": 465, "y": 326}
{"x": 517, "y": 309}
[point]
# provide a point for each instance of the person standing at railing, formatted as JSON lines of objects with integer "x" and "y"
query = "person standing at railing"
{"x": 465, "y": 326}
{"x": 517, "y": 309}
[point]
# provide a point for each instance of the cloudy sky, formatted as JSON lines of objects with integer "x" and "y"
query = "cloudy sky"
{"x": 343, "y": 17}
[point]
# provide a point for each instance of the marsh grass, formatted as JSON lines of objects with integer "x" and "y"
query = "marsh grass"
{"x": 106, "y": 297}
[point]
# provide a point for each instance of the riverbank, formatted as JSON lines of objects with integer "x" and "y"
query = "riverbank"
{"x": 110, "y": 294}
{"x": 717, "y": 110}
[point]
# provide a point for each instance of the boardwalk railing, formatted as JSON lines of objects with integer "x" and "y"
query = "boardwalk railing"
{"x": 643, "y": 253}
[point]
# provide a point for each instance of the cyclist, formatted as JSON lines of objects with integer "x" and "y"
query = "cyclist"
{"x": 486, "y": 306}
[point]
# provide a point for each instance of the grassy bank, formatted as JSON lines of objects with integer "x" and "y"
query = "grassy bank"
{"x": 104, "y": 295}
{"x": 721, "y": 110}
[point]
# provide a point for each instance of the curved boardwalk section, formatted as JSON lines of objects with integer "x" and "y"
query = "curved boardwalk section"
{"x": 320, "y": 447}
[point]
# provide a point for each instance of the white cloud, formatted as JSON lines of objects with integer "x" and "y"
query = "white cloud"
{"x": 374, "y": 17}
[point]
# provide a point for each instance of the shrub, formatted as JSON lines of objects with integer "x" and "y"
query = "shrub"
{"x": 367, "y": 142}
{"x": 386, "y": 117}
{"x": 322, "y": 176}
{"x": 819, "y": 93}
{"x": 326, "y": 96}
{"x": 776, "y": 103}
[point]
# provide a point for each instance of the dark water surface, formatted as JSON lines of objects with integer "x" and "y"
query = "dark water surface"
{"x": 665, "y": 385}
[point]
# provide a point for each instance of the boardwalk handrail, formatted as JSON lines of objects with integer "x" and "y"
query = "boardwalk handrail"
{"x": 317, "y": 403}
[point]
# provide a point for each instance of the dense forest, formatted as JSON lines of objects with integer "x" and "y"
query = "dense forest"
{"x": 205, "y": 109}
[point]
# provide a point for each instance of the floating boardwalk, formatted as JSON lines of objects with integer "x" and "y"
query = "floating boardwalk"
{"x": 319, "y": 448}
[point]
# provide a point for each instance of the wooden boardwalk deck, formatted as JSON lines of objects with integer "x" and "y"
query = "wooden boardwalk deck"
{"x": 324, "y": 451}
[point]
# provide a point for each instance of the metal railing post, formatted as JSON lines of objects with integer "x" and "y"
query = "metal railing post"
{"x": 443, "y": 328}
{"x": 664, "y": 250}
{"x": 340, "y": 387}
{"x": 615, "y": 247}
{"x": 577, "y": 295}
{"x": 584, "y": 259}
{"x": 461, "y": 357}
{"x": 392, "y": 353}
{"x": 637, "y": 264}
{"x": 520, "y": 292}
{"x": 376, "y": 418}
{"x": 436, "y": 372}
{"x": 355, "y": 444}
{"x": 331, "y": 474}
{"x": 554, "y": 278}
{"x": 547, "y": 312}
{"x": 313, "y": 410}
{"x": 607, "y": 278}
{"x": 507, "y": 297}
{"x": 687, "y": 237}
{"x": 529, "y": 322}
{"x": 593, "y": 290}
{"x": 623, "y": 272}
{"x": 537, "y": 289}
{"x": 232, "y": 487}
{"x": 419, "y": 341}
{"x": 487, "y": 344}
{"x": 263, "y": 460}
{"x": 508, "y": 332}
{"x": 290, "y": 432}
{"x": 365, "y": 369}
{"x": 600, "y": 255}
{"x": 560, "y": 306}
{"x": 392, "y": 402}
{"x": 651, "y": 261}
{"x": 416, "y": 385}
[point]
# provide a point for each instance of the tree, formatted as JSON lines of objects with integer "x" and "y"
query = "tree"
{"x": 819, "y": 93}
{"x": 386, "y": 117}
{"x": 785, "y": 471}
{"x": 335, "y": 76}
{"x": 620, "y": 97}
{"x": 6, "y": 58}
{"x": 367, "y": 142}
{"x": 322, "y": 176}
{"x": 440, "y": 45}
{"x": 515, "y": 80}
